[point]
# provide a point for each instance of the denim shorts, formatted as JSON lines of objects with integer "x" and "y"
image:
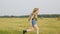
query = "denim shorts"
{"x": 33, "y": 22}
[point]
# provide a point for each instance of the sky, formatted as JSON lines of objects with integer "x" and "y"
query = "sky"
{"x": 25, "y": 7}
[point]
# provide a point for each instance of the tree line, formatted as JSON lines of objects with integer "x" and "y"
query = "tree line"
{"x": 43, "y": 15}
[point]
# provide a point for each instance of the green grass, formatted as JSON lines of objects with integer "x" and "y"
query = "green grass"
{"x": 16, "y": 25}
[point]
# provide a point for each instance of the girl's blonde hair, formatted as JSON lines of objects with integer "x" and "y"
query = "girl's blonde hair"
{"x": 35, "y": 9}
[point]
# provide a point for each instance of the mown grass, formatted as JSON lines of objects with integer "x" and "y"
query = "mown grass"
{"x": 16, "y": 25}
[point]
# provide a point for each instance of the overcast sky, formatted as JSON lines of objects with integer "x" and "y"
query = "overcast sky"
{"x": 25, "y": 7}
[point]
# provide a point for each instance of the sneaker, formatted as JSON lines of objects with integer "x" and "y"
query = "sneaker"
{"x": 24, "y": 31}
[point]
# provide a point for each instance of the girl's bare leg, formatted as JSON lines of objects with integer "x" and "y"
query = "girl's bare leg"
{"x": 37, "y": 29}
{"x": 24, "y": 31}
{"x": 32, "y": 29}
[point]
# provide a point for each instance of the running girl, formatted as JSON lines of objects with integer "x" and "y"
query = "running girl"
{"x": 33, "y": 19}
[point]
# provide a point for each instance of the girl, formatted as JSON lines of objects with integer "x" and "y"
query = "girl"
{"x": 33, "y": 19}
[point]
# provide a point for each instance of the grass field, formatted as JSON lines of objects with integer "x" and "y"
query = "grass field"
{"x": 16, "y": 25}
